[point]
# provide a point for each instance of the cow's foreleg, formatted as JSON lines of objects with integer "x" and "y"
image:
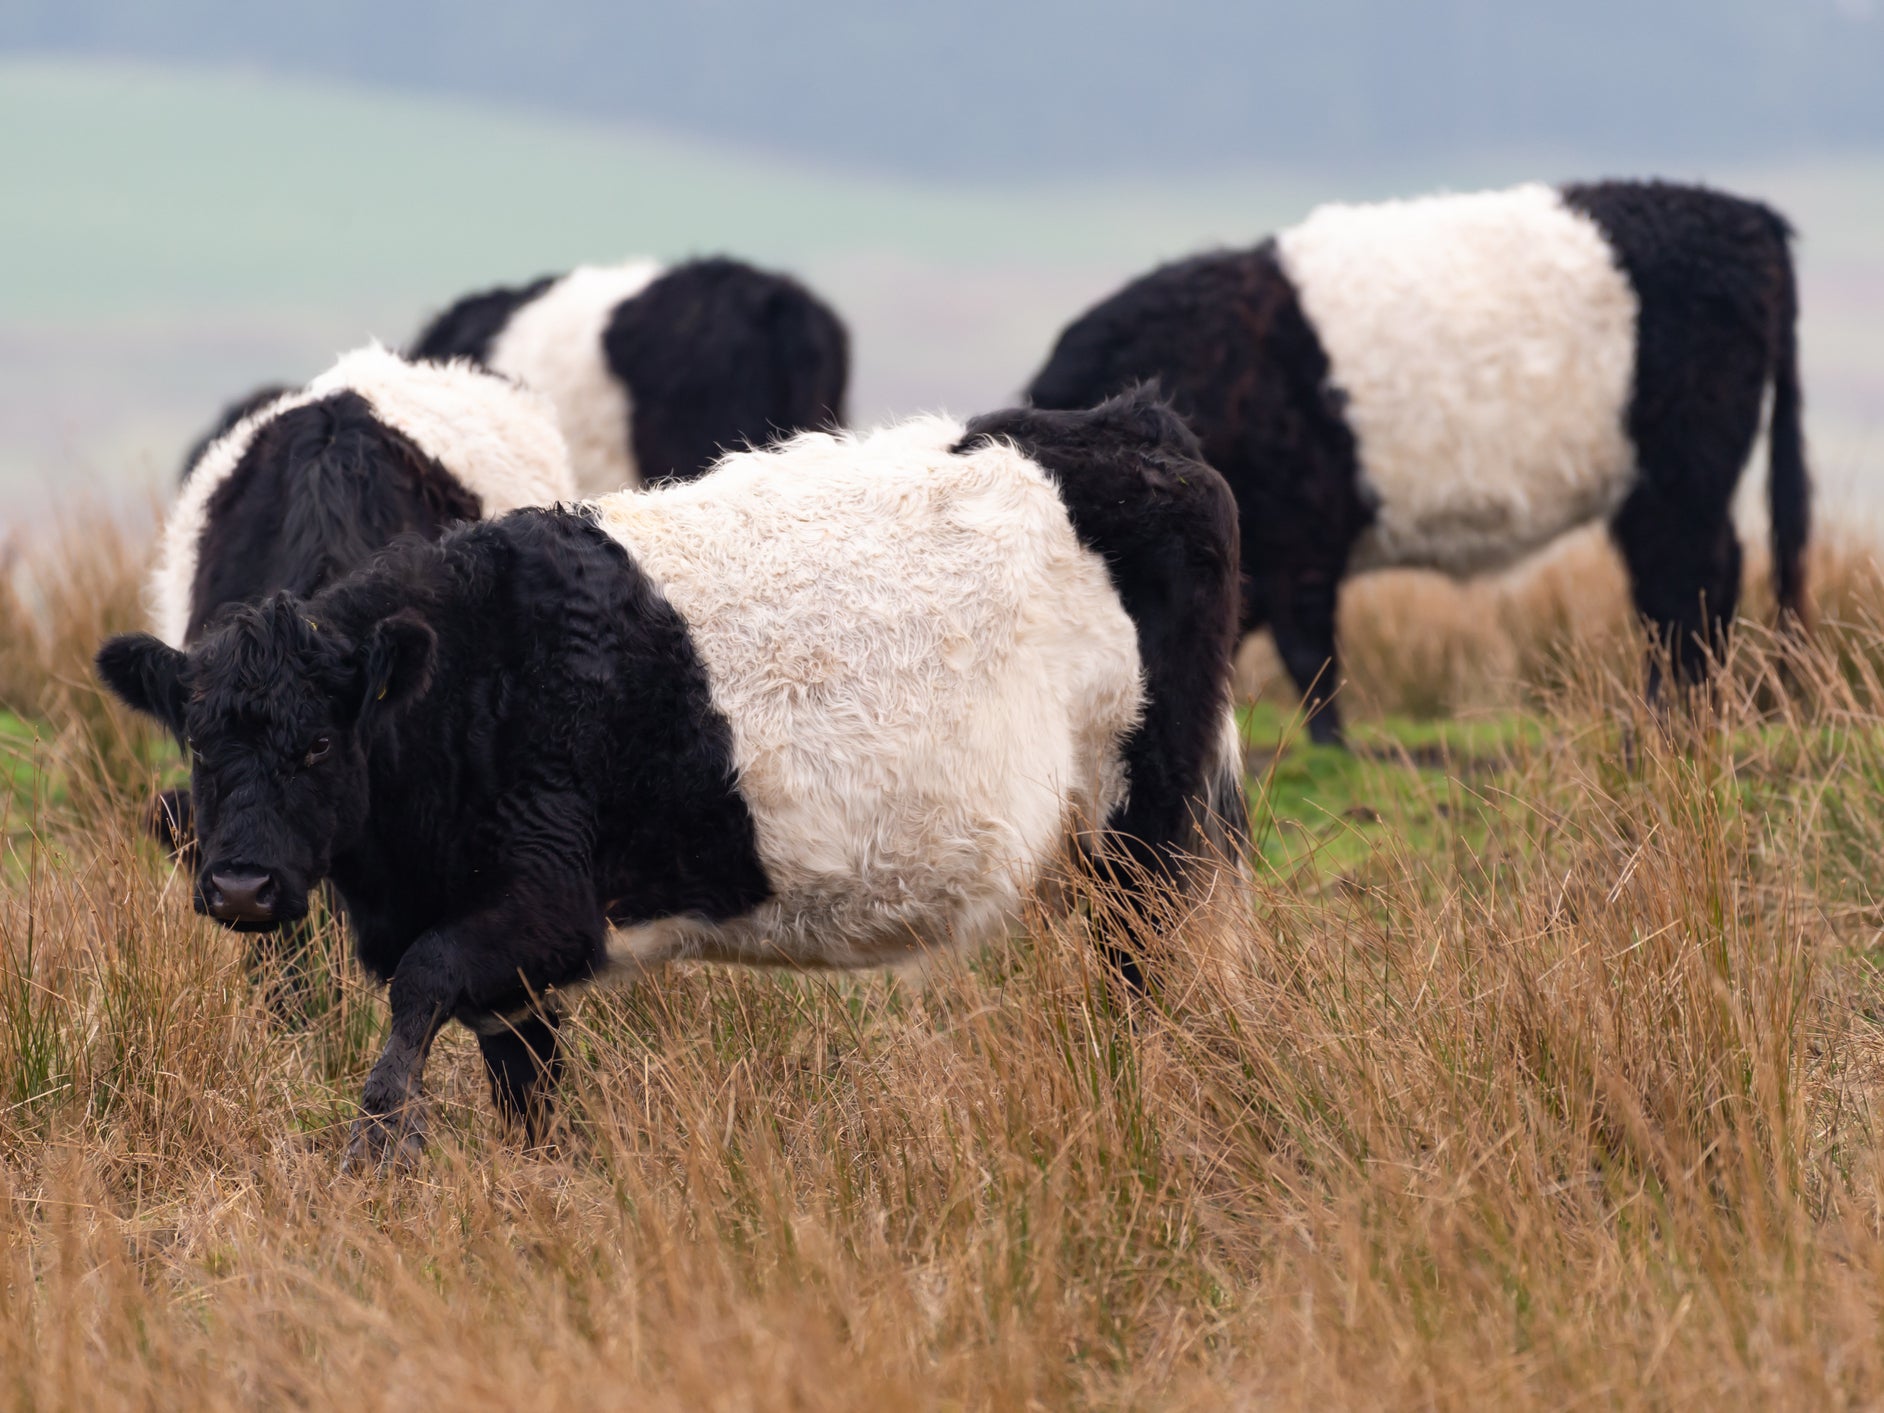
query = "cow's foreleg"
{"x": 493, "y": 971}
{"x": 425, "y": 991}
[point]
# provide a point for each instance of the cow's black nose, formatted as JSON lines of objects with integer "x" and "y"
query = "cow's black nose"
{"x": 239, "y": 895}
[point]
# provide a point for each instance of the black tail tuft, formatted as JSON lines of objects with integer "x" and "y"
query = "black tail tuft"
{"x": 1789, "y": 486}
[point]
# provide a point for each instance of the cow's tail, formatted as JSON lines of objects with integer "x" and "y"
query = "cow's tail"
{"x": 1223, "y": 811}
{"x": 1788, "y": 484}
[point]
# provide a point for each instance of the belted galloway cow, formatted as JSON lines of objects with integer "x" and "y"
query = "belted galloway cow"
{"x": 1453, "y": 382}
{"x": 836, "y": 703}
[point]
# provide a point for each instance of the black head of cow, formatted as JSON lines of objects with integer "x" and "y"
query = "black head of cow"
{"x": 278, "y": 713}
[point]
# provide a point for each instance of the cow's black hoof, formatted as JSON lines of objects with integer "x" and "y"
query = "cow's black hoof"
{"x": 392, "y": 1142}
{"x": 1325, "y": 730}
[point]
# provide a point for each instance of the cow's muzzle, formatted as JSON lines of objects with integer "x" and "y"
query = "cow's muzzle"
{"x": 239, "y": 896}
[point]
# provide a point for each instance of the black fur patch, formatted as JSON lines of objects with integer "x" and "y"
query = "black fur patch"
{"x": 1140, "y": 498}
{"x": 1714, "y": 279}
{"x": 490, "y": 745}
{"x": 717, "y": 355}
{"x": 227, "y": 419}
{"x": 319, "y": 490}
{"x": 469, "y": 327}
{"x": 1224, "y": 337}
{"x": 566, "y": 755}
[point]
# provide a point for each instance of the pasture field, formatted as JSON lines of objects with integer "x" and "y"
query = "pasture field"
{"x": 1541, "y": 1067}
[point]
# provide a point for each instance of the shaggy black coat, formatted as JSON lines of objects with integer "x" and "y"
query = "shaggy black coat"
{"x": 489, "y": 744}
{"x": 225, "y": 422}
{"x": 1166, "y": 526}
{"x": 317, "y": 492}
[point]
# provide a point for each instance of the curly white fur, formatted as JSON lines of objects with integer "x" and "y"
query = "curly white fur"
{"x": 499, "y": 440}
{"x": 926, "y": 674}
{"x": 1486, "y": 347}
{"x": 554, "y": 344}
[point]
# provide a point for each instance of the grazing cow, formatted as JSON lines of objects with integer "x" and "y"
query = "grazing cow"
{"x": 300, "y": 487}
{"x": 655, "y": 372}
{"x": 1455, "y": 381}
{"x": 841, "y": 701}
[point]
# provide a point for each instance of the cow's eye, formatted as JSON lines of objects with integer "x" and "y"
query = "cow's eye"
{"x": 317, "y": 751}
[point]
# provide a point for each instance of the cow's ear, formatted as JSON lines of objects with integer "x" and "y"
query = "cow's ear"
{"x": 399, "y": 654}
{"x": 146, "y": 674}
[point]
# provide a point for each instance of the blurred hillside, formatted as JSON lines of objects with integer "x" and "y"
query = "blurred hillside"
{"x": 176, "y": 235}
{"x": 991, "y": 88}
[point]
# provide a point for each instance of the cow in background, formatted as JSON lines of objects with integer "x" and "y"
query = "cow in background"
{"x": 1453, "y": 382}
{"x": 655, "y": 372}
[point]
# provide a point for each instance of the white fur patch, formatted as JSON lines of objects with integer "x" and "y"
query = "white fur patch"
{"x": 1486, "y": 345}
{"x": 926, "y": 674}
{"x": 554, "y": 344}
{"x": 499, "y": 440}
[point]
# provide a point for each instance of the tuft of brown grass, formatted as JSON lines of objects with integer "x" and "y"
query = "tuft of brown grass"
{"x": 62, "y": 594}
{"x": 1573, "y": 1101}
{"x": 1421, "y": 645}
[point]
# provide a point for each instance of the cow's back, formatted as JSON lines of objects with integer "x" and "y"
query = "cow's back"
{"x": 926, "y": 674}
{"x": 1483, "y": 347}
{"x": 553, "y": 343}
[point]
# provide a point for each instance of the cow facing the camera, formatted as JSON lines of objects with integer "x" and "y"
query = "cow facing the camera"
{"x": 299, "y": 487}
{"x": 840, "y": 702}
{"x": 1453, "y": 382}
{"x": 655, "y": 372}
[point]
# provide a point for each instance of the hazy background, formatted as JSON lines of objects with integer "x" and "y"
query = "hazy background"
{"x": 200, "y": 195}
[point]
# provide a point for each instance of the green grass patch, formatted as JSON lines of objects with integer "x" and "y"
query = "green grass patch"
{"x": 27, "y": 782}
{"x": 47, "y": 784}
{"x": 1401, "y": 784}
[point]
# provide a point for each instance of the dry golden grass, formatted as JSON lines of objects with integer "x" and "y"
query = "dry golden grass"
{"x": 1574, "y": 1102}
{"x": 1421, "y": 645}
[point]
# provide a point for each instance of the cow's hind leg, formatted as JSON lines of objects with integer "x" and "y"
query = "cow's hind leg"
{"x": 1684, "y": 575}
{"x": 1705, "y": 270}
{"x": 523, "y": 1058}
